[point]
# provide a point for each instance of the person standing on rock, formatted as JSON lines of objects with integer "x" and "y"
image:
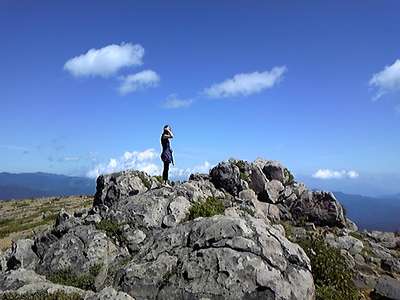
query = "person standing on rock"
{"x": 166, "y": 154}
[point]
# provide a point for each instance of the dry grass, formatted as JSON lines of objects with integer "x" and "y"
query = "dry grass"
{"x": 22, "y": 218}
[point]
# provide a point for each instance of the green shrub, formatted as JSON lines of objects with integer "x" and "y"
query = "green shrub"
{"x": 41, "y": 295}
{"x": 288, "y": 230}
{"x": 212, "y": 206}
{"x": 288, "y": 175}
{"x": 112, "y": 229}
{"x": 83, "y": 281}
{"x": 244, "y": 177}
{"x": 158, "y": 178}
{"x": 241, "y": 165}
{"x": 332, "y": 276}
{"x": 146, "y": 182}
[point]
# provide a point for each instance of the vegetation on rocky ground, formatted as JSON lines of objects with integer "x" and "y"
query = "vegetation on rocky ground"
{"x": 242, "y": 166}
{"x": 211, "y": 207}
{"x": 146, "y": 182}
{"x": 84, "y": 281}
{"x": 290, "y": 177}
{"x": 21, "y": 218}
{"x": 41, "y": 295}
{"x": 112, "y": 229}
{"x": 332, "y": 275}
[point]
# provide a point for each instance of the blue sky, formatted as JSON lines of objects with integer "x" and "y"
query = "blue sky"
{"x": 312, "y": 84}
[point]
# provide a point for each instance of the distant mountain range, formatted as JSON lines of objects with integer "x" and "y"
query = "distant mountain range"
{"x": 380, "y": 213}
{"x": 372, "y": 213}
{"x": 27, "y": 185}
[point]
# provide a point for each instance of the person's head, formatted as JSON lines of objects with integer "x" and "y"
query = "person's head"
{"x": 166, "y": 128}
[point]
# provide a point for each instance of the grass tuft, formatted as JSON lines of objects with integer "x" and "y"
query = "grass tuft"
{"x": 84, "y": 281}
{"x": 211, "y": 207}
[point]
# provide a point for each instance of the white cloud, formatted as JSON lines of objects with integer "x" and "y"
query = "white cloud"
{"x": 174, "y": 102}
{"x": 184, "y": 173}
{"x": 332, "y": 174}
{"x": 387, "y": 80}
{"x": 71, "y": 158}
{"x": 105, "y": 61}
{"x": 141, "y": 80}
{"x": 147, "y": 161}
{"x": 142, "y": 161}
{"x": 245, "y": 84}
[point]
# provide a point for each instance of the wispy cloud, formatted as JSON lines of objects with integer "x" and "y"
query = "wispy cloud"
{"x": 14, "y": 148}
{"x": 245, "y": 84}
{"x": 105, "y": 61}
{"x": 332, "y": 174}
{"x": 147, "y": 161}
{"x": 387, "y": 80}
{"x": 141, "y": 80}
{"x": 173, "y": 102}
{"x": 71, "y": 158}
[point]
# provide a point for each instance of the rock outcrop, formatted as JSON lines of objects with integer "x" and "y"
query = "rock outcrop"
{"x": 141, "y": 240}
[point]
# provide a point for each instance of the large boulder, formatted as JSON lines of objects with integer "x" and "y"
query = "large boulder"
{"x": 78, "y": 250}
{"x": 23, "y": 281}
{"x": 275, "y": 170}
{"x": 273, "y": 191}
{"x": 388, "y": 288}
{"x": 20, "y": 255}
{"x": 119, "y": 185}
{"x": 265, "y": 211}
{"x": 347, "y": 242}
{"x": 227, "y": 176}
{"x": 235, "y": 258}
{"x": 318, "y": 207}
{"x": 19, "y": 282}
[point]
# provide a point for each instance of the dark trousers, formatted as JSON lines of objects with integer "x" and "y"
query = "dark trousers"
{"x": 165, "y": 171}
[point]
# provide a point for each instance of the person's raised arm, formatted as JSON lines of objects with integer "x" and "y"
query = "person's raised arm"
{"x": 170, "y": 135}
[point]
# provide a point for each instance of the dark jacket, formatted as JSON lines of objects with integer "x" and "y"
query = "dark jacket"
{"x": 166, "y": 154}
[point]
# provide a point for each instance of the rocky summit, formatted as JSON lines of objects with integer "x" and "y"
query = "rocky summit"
{"x": 246, "y": 230}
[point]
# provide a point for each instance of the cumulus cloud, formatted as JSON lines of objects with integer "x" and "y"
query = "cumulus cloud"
{"x": 147, "y": 161}
{"x": 174, "y": 102}
{"x": 332, "y": 174}
{"x": 387, "y": 80}
{"x": 141, "y": 80}
{"x": 139, "y": 160}
{"x": 245, "y": 84}
{"x": 105, "y": 61}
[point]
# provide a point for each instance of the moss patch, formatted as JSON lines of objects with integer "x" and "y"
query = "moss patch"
{"x": 212, "y": 206}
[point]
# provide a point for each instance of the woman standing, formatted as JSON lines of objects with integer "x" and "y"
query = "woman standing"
{"x": 166, "y": 154}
